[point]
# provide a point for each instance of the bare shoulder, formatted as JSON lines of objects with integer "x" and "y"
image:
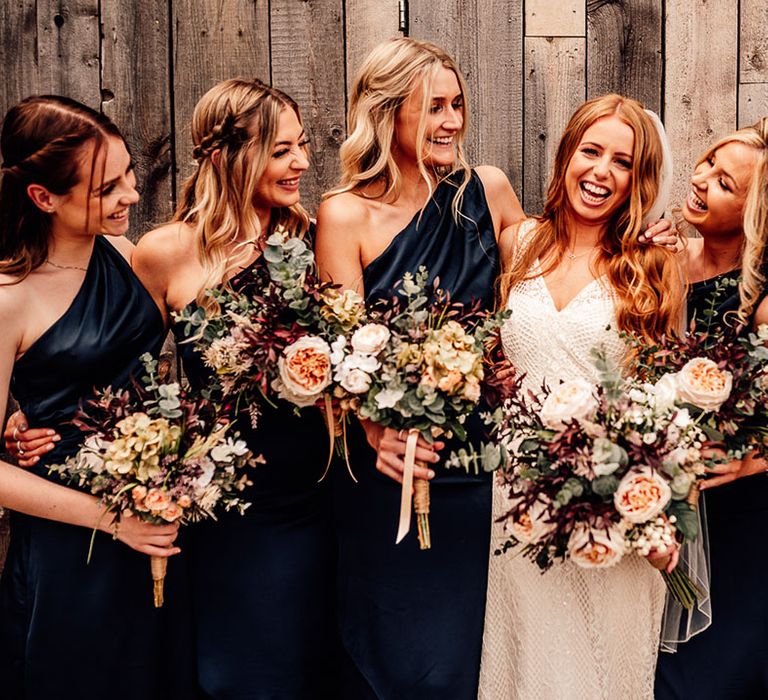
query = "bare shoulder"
{"x": 345, "y": 209}
{"x": 14, "y": 295}
{"x": 503, "y": 202}
{"x": 164, "y": 246}
{"x": 510, "y": 240}
{"x": 123, "y": 245}
{"x": 494, "y": 179}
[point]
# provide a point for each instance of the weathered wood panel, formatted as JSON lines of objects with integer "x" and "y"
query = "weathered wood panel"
{"x": 561, "y": 18}
{"x": 314, "y": 76}
{"x": 18, "y": 52}
{"x": 555, "y": 85}
{"x": 753, "y": 103}
{"x": 213, "y": 40}
{"x": 136, "y": 95}
{"x": 753, "y": 41}
{"x": 624, "y": 39}
{"x": 700, "y": 87}
{"x": 368, "y": 23}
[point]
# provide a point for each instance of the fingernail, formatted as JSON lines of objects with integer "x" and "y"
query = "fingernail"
{"x": 49, "y": 446}
{"x": 23, "y": 427}
{"x": 431, "y": 474}
{"x": 56, "y": 438}
{"x": 50, "y": 432}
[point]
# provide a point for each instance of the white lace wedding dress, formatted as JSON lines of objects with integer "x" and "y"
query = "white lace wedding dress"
{"x": 570, "y": 633}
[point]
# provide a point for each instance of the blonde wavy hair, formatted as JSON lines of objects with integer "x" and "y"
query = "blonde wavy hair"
{"x": 237, "y": 120}
{"x": 755, "y": 217}
{"x": 393, "y": 71}
{"x": 646, "y": 279}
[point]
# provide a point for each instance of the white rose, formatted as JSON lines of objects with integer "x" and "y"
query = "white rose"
{"x": 572, "y": 400}
{"x": 356, "y": 381}
{"x": 641, "y": 495}
{"x": 701, "y": 383}
{"x": 304, "y": 371}
{"x": 533, "y": 524}
{"x": 366, "y": 363}
{"x": 370, "y": 339}
{"x": 92, "y": 454}
{"x": 388, "y": 398}
{"x": 665, "y": 392}
{"x": 596, "y": 548}
{"x": 337, "y": 350}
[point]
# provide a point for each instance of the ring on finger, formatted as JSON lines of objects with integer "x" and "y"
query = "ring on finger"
{"x": 400, "y": 434}
{"x": 16, "y": 433}
{"x": 19, "y": 448}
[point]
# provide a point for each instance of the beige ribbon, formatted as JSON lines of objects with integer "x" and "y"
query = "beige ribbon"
{"x": 346, "y": 449}
{"x": 331, "y": 423}
{"x": 407, "y": 491}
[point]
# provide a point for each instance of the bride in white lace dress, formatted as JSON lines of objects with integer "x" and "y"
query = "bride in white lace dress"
{"x": 573, "y": 277}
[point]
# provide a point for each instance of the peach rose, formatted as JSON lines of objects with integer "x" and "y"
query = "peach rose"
{"x": 532, "y": 525}
{"x": 157, "y": 500}
{"x": 304, "y": 371}
{"x": 596, "y": 548}
{"x": 641, "y": 495}
{"x": 701, "y": 383}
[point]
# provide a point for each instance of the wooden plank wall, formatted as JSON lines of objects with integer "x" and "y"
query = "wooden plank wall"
{"x": 702, "y": 64}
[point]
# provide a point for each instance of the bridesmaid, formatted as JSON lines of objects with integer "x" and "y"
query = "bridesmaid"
{"x": 262, "y": 583}
{"x": 411, "y": 621}
{"x": 728, "y": 206}
{"x": 74, "y": 316}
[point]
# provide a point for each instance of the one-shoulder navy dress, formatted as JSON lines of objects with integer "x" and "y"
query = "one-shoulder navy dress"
{"x": 70, "y": 629}
{"x": 263, "y": 582}
{"x": 411, "y": 621}
{"x": 729, "y": 660}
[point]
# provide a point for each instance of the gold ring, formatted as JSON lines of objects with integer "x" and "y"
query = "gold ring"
{"x": 19, "y": 448}
{"x": 16, "y": 433}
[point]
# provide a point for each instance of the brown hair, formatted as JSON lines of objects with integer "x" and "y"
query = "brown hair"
{"x": 41, "y": 142}
{"x": 645, "y": 278}
{"x": 238, "y": 118}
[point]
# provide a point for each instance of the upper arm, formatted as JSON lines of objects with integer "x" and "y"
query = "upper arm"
{"x": 337, "y": 241}
{"x": 10, "y": 339}
{"x": 761, "y": 315}
{"x": 151, "y": 259}
{"x": 503, "y": 202}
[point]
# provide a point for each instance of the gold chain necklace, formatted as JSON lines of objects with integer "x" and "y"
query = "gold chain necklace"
{"x": 67, "y": 267}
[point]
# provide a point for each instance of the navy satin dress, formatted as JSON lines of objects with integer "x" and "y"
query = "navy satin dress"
{"x": 263, "y": 583}
{"x": 69, "y": 629}
{"x": 729, "y": 660}
{"x": 411, "y": 621}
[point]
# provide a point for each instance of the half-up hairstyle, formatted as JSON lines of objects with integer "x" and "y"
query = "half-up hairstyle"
{"x": 389, "y": 74}
{"x": 646, "y": 279}
{"x": 755, "y": 218}
{"x": 237, "y": 120}
{"x": 42, "y": 141}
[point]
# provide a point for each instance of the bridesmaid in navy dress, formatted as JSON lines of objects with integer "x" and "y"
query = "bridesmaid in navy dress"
{"x": 263, "y": 582}
{"x": 74, "y": 316}
{"x": 411, "y": 621}
{"x": 728, "y": 206}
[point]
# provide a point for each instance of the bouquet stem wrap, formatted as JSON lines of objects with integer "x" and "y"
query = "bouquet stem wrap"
{"x": 420, "y": 497}
{"x": 159, "y": 566}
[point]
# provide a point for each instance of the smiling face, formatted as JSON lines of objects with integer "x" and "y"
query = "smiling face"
{"x": 103, "y": 202}
{"x": 599, "y": 173}
{"x": 715, "y": 204}
{"x": 278, "y": 185}
{"x": 443, "y": 122}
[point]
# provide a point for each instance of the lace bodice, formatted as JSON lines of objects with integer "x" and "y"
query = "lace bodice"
{"x": 570, "y": 633}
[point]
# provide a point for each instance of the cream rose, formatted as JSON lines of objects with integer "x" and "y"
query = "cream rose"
{"x": 532, "y": 525}
{"x": 596, "y": 548}
{"x": 701, "y": 383}
{"x": 356, "y": 381}
{"x": 370, "y": 339}
{"x": 571, "y": 400}
{"x": 641, "y": 495}
{"x": 304, "y": 371}
{"x": 665, "y": 392}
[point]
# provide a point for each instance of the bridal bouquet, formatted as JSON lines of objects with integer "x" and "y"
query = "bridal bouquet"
{"x": 416, "y": 365}
{"x": 272, "y": 337}
{"x": 159, "y": 453}
{"x": 594, "y": 472}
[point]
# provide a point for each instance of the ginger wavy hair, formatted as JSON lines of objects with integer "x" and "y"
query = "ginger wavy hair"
{"x": 389, "y": 75}
{"x": 754, "y": 253}
{"x": 43, "y": 142}
{"x": 237, "y": 120}
{"x": 646, "y": 279}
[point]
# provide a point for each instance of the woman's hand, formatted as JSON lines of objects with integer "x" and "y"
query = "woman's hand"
{"x": 730, "y": 471}
{"x": 26, "y": 445}
{"x": 662, "y": 233}
{"x": 155, "y": 540}
{"x": 666, "y": 560}
{"x": 390, "y": 451}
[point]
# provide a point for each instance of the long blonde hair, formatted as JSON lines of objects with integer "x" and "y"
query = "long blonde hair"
{"x": 755, "y": 216}
{"x": 238, "y": 120}
{"x": 390, "y": 73}
{"x": 645, "y": 278}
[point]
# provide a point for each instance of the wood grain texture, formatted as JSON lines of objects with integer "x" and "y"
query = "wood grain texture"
{"x": 18, "y": 52}
{"x": 560, "y": 18}
{"x": 213, "y": 40}
{"x": 312, "y": 72}
{"x": 753, "y": 103}
{"x": 625, "y": 52}
{"x": 753, "y": 41}
{"x": 700, "y": 87}
{"x": 368, "y": 23}
{"x": 68, "y": 49}
{"x": 555, "y": 85}
{"x": 136, "y": 95}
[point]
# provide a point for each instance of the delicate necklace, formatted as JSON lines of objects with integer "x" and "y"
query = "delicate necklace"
{"x": 66, "y": 267}
{"x": 573, "y": 256}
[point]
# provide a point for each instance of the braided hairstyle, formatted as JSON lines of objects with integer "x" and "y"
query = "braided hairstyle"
{"x": 237, "y": 120}
{"x": 41, "y": 142}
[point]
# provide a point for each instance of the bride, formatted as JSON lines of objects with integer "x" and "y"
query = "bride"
{"x": 574, "y": 278}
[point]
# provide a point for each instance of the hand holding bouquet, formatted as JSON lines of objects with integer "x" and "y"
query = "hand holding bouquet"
{"x": 159, "y": 453}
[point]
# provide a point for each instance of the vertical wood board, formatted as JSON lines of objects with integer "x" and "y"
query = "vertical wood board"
{"x": 753, "y": 103}
{"x": 555, "y": 85}
{"x": 18, "y": 52}
{"x": 753, "y": 41}
{"x": 368, "y": 23}
{"x": 312, "y": 72}
{"x": 560, "y": 18}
